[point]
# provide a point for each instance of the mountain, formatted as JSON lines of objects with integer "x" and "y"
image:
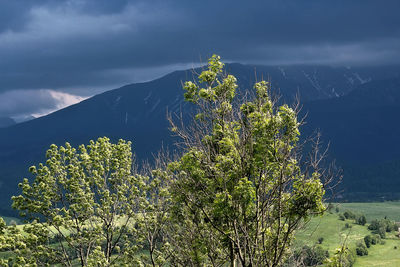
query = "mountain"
{"x": 137, "y": 112}
{"x": 6, "y": 122}
{"x": 364, "y": 133}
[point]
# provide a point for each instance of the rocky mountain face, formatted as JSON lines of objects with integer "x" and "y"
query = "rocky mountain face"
{"x": 342, "y": 102}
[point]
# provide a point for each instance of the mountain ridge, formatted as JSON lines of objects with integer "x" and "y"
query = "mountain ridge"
{"x": 138, "y": 112}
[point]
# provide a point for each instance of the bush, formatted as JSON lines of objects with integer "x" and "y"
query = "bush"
{"x": 368, "y": 241}
{"x": 361, "y": 220}
{"x": 382, "y": 227}
{"x": 374, "y": 225}
{"x": 381, "y": 232}
{"x": 349, "y": 215}
{"x": 320, "y": 240}
{"x": 347, "y": 226}
{"x": 343, "y": 257}
{"x": 341, "y": 217}
{"x": 361, "y": 249}
{"x": 391, "y": 226}
{"x": 375, "y": 239}
{"x": 311, "y": 256}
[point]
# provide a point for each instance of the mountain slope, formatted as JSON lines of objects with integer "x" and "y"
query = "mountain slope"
{"x": 364, "y": 131}
{"x": 363, "y": 125}
{"x": 138, "y": 112}
{"x": 6, "y": 122}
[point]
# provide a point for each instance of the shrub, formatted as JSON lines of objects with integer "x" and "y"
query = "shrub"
{"x": 361, "y": 220}
{"x": 349, "y": 215}
{"x": 343, "y": 257}
{"x": 311, "y": 256}
{"x": 368, "y": 241}
{"x": 361, "y": 249}
{"x": 382, "y": 227}
{"x": 375, "y": 239}
{"x": 341, "y": 217}
{"x": 320, "y": 240}
{"x": 391, "y": 226}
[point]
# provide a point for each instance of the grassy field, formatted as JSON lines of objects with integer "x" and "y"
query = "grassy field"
{"x": 374, "y": 210}
{"x": 334, "y": 233}
{"x": 382, "y": 255}
{"x": 332, "y": 230}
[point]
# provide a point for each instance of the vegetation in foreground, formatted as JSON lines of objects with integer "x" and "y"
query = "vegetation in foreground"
{"x": 236, "y": 196}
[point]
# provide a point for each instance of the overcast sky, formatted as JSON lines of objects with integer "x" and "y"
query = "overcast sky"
{"x": 54, "y": 53}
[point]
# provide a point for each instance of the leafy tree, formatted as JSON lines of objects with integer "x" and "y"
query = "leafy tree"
{"x": 86, "y": 199}
{"x": 238, "y": 191}
{"x": 376, "y": 239}
{"x": 343, "y": 257}
{"x": 349, "y": 215}
{"x": 361, "y": 220}
{"x": 155, "y": 223}
{"x": 361, "y": 249}
{"x": 368, "y": 240}
{"x": 26, "y": 245}
{"x": 382, "y": 226}
{"x": 310, "y": 256}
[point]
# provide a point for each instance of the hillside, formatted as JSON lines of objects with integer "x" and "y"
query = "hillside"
{"x": 363, "y": 130}
{"x": 138, "y": 112}
{"x": 6, "y": 122}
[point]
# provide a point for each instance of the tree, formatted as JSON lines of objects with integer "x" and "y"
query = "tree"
{"x": 361, "y": 249}
{"x": 343, "y": 257}
{"x": 310, "y": 256}
{"x": 361, "y": 220}
{"x": 239, "y": 192}
{"x": 368, "y": 240}
{"x": 87, "y": 199}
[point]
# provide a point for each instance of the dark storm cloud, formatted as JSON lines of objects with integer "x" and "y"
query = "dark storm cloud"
{"x": 90, "y": 43}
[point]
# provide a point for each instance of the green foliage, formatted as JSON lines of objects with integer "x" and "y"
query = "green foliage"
{"x": 361, "y": 249}
{"x": 383, "y": 226}
{"x": 236, "y": 196}
{"x": 349, "y": 215}
{"x": 87, "y": 198}
{"x": 239, "y": 192}
{"x": 375, "y": 239}
{"x": 361, "y": 220}
{"x": 27, "y": 245}
{"x": 372, "y": 240}
{"x": 368, "y": 240}
{"x": 343, "y": 257}
{"x": 310, "y": 256}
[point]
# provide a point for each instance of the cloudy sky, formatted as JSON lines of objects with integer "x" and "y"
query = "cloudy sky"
{"x": 54, "y": 53}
